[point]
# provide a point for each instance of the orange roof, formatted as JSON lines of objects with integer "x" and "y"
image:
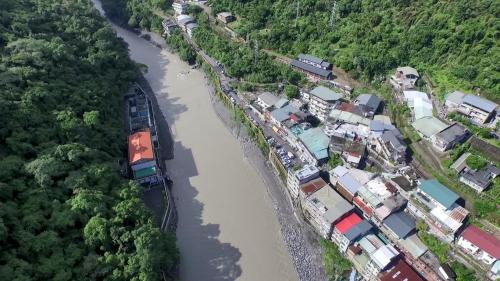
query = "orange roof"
{"x": 348, "y": 222}
{"x": 140, "y": 147}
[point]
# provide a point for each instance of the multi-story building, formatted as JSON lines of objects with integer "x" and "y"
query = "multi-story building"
{"x": 296, "y": 178}
{"x": 480, "y": 245}
{"x": 449, "y": 137}
{"x": 478, "y": 110}
{"x": 401, "y": 271}
{"x": 321, "y": 102}
{"x": 315, "y": 68}
{"x": 348, "y": 230}
{"x": 323, "y": 208}
{"x": 347, "y": 181}
{"x": 439, "y": 207}
{"x": 180, "y": 7}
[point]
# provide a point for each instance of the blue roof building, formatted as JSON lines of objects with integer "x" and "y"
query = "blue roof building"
{"x": 477, "y": 102}
{"x": 316, "y": 143}
{"x": 439, "y": 193}
{"x": 401, "y": 224}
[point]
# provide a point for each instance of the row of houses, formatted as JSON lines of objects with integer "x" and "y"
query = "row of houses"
{"x": 479, "y": 110}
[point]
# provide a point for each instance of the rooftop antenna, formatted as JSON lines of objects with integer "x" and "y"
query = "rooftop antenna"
{"x": 297, "y": 13}
{"x": 332, "y": 16}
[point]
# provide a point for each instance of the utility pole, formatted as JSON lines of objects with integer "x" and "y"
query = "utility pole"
{"x": 332, "y": 16}
{"x": 297, "y": 13}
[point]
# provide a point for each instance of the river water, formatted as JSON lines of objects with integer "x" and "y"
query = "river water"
{"x": 227, "y": 228}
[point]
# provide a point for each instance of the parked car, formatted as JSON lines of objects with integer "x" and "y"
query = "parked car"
{"x": 290, "y": 155}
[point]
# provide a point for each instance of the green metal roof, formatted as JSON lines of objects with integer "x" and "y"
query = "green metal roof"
{"x": 439, "y": 192}
{"x": 146, "y": 172}
{"x": 429, "y": 126}
{"x": 316, "y": 142}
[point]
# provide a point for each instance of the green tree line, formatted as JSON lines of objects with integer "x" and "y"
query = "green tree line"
{"x": 65, "y": 211}
{"x": 455, "y": 41}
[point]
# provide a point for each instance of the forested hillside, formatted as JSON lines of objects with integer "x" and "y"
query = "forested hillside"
{"x": 455, "y": 41}
{"x": 65, "y": 211}
{"x": 136, "y": 13}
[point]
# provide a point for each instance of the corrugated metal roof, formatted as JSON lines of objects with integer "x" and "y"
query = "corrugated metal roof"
{"x": 480, "y": 103}
{"x": 439, "y": 192}
{"x": 268, "y": 98}
{"x": 451, "y": 133}
{"x": 358, "y": 230}
{"x": 422, "y": 108}
{"x": 347, "y": 223}
{"x": 483, "y": 240}
{"x": 325, "y": 94}
{"x": 429, "y": 126}
{"x": 414, "y": 246}
{"x": 326, "y": 74}
{"x": 400, "y": 223}
{"x": 401, "y": 272}
{"x": 350, "y": 183}
{"x": 316, "y": 142}
{"x": 140, "y": 147}
{"x": 372, "y": 101}
{"x": 384, "y": 255}
{"x": 284, "y": 113}
{"x": 455, "y": 97}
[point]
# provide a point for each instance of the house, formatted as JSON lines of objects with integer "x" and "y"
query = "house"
{"x": 141, "y": 157}
{"x": 266, "y": 100}
{"x": 413, "y": 246}
{"x": 348, "y": 230}
{"x": 190, "y": 27}
{"x": 449, "y": 137}
{"x": 411, "y": 96}
{"x": 401, "y": 272}
{"x": 481, "y": 179}
{"x": 315, "y": 68}
{"x": 460, "y": 164}
{"x": 225, "y": 17}
{"x": 339, "y": 116}
{"x": 323, "y": 208}
{"x": 404, "y": 185}
{"x": 280, "y": 115}
{"x": 322, "y": 101}
{"x": 400, "y": 225}
{"x": 439, "y": 207}
{"x": 480, "y": 245}
{"x": 370, "y": 256}
{"x": 404, "y": 78}
{"x": 180, "y": 7}
{"x": 299, "y": 177}
{"x": 347, "y": 181}
{"x": 478, "y": 110}
{"x": 313, "y": 146}
{"x": 183, "y": 20}
{"x": 427, "y": 127}
{"x": 169, "y": 26}
{"x": 315, "y": 61}
{"x": 369, "y": 103}
{"x": 453, "y": 100}
{"x": 391, "y": 146}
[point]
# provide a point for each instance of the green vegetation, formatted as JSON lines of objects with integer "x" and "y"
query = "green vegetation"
{"x": 292, "y": 92}
{"x": 335, "y": 160}
{"x": 476, "y": 162}
{"x": 463, "y": 273}
{"x": 453, "y": 41}
{"x": 439, "y": 248}
{"x": 241, "y": 61}
{"x": 65, "y": 211}
{"x": 178, "y": 43}
{"x": 335, "y": 263}
{"x": 136, "y": 13}
{"x": 484, "y": 133}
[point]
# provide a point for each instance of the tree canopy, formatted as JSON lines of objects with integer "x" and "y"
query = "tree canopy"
{"x": 65, "y": 211}
{"x": 455, "y": 41}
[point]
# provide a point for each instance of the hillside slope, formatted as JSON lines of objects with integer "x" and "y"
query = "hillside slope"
{"x": 455, "y": 41}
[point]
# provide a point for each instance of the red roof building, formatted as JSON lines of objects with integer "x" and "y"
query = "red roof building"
{"x": 362, "y": 205}
{"x": 347, "y": 223}
{"x": 140, "y": 147}
{"x": 482, "y": 240}
{"x": 312, "y": 186}
{"x": 401, "y": 272}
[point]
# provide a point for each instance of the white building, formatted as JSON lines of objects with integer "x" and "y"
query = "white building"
{"x": 480, "y": 245}
{"x": 266, "y": 100}
{"x": 404, "y": 78}
{"x": 321, "y": 102}
{"x": 296, "y": 178}
{"x": 180, "y": 7}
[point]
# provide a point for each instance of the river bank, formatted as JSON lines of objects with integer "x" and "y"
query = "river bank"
{"x": 204, "y": 253}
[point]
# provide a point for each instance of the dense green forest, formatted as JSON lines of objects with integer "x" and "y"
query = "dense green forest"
{"x": 454, "y": 41}
{"x": 136, "y": 13}
{"x": 65, "y": 211}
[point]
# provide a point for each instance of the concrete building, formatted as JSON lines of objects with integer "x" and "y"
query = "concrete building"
{"x": 478, "y": 110}
{"x": 369, "y": 103}
{"x": 449, "y": 137}
{"x": 323, "y": 208}
{"x": 313, "y": 146}
{"x": 315, "y": 68}
{"x": 413, "y": 246}
{"x": 391, "y": 146}
{"x": 280, "y": 115}
{"x": 322, "y": 100}
{"x": 401, "y": 271}
{"x": 453, "y": 100}
{"x": 180, "y": 7}
{"x": 225, "y": 17}
{"x": 299, "y": 177}
{"x": 439, "y": 207}
{"x": 404, "y": 78}
{"x": 348, "y": 230}
{"x": 400, "y": 225}
{"x": 347, "y": 181}
{"x": 266, "y": 100}
{"x": 480, "y": 245}
{"x": 479, "y": 180}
